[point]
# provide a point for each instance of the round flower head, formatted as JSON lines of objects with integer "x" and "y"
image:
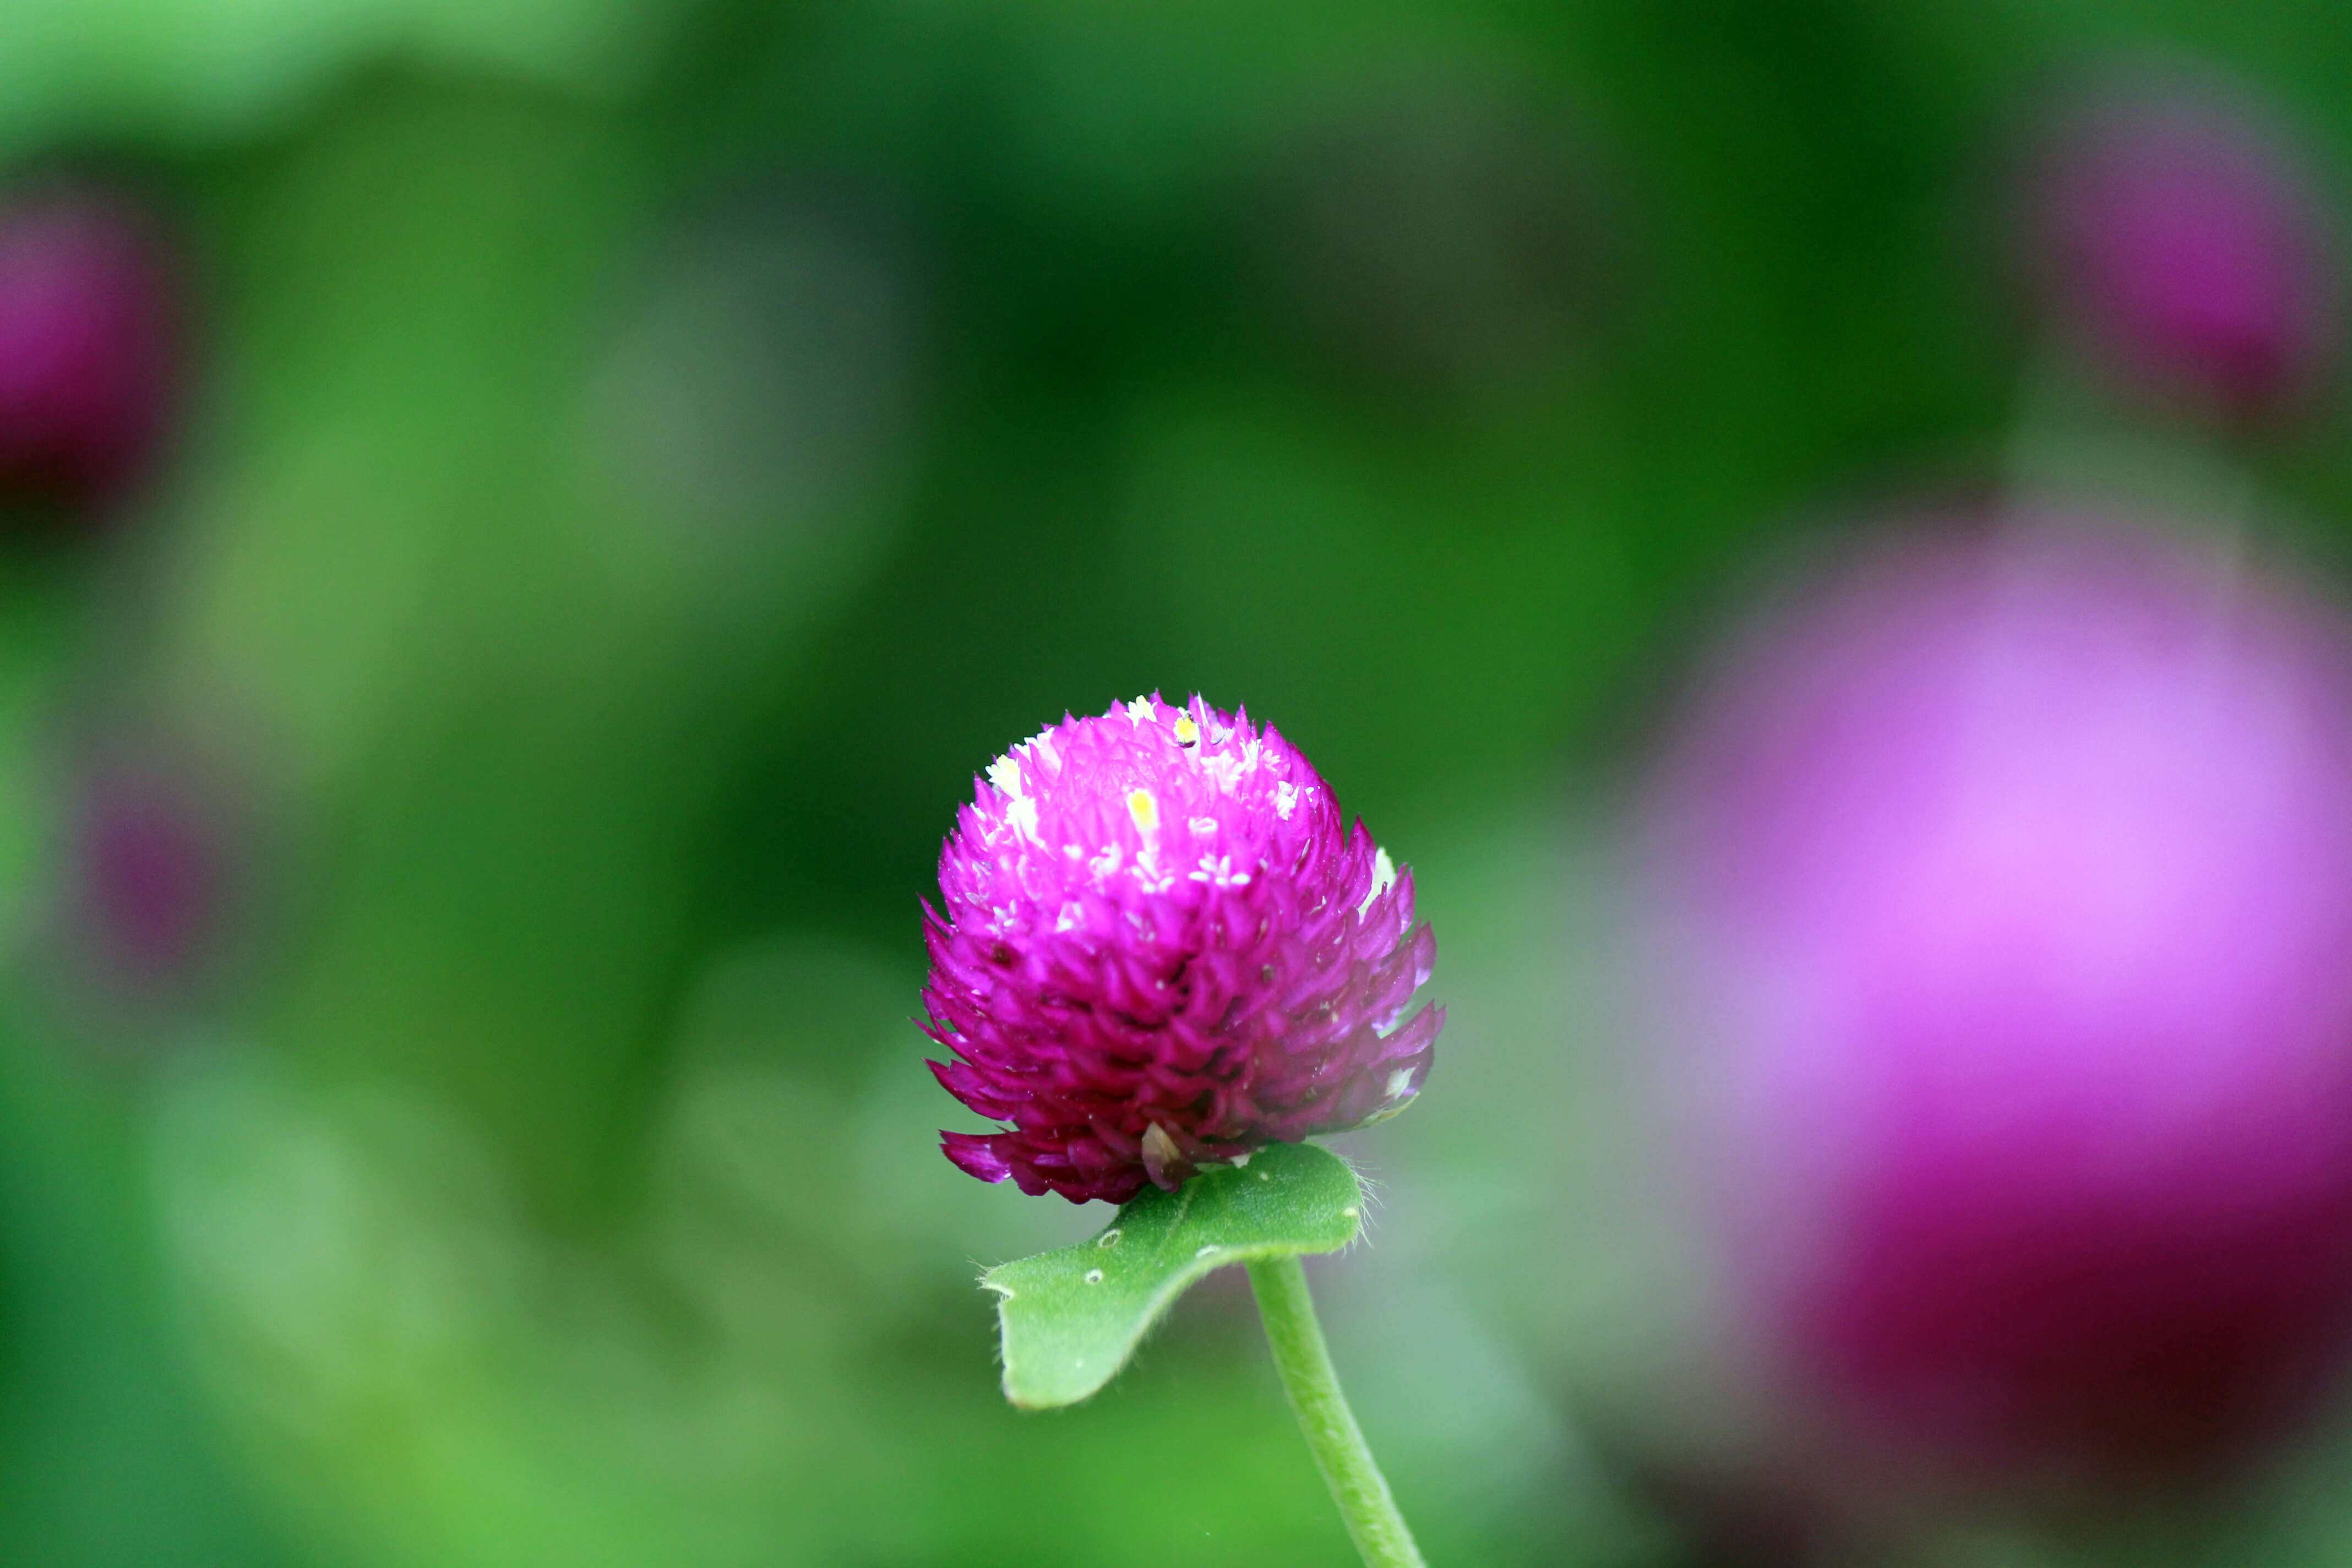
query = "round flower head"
{"x": 2188, "y": 246}
{"x": 2009, "y": 886}
{"x": 88, "y": 345}
{"x": 151, "y": 877}
{"x": 1160, "y": 949}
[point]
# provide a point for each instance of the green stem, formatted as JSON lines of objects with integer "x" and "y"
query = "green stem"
{"x": 1356, "y": 1483}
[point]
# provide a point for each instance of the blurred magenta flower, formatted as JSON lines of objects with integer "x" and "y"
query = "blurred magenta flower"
{"x": 1160, "y": 948}
{"x": 2006, "y": 885}
{"x": 89, "y": 346}
{"x": 2188, "y": 246}
{"x": 149, "y": 877}
{"x": 155, "y": 873}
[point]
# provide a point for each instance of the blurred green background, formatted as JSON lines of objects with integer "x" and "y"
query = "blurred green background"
{"x": 647, "y": 455}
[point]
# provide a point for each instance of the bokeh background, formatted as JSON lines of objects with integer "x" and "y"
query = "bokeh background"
{"x": 464, "y": 801}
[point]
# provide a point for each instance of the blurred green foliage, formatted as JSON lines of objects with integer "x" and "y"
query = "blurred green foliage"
{"x": 648, "y": 455}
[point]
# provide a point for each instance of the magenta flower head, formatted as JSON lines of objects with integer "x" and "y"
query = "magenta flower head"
{"x": 2189, "y": 248}
{"x": 1160, "y": 949}
{"x": 151, "y": 878}
{"x": 89, "y": 346}
{"x": 2005, "y": 892}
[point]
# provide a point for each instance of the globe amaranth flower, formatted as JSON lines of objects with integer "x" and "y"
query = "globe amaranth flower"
{"x": 89, "y": 346}
{"x": 2188, "y": 246}
{"x": 2007, "y": 898}
{"x": 1160, "y": 949}
{"x": 152, "y": 869}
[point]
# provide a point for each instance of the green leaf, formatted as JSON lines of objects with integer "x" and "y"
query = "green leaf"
{"x": 1070, "y": 1318}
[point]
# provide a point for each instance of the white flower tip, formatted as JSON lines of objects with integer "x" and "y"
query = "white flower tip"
{"x": 1383, "y": 878}
{"x": 1160, "y": 1151}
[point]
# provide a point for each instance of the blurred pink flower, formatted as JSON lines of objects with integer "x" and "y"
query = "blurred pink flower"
{"x": 1161, "y": 949}
{"x": 2007, "y": 883}
{"x": 2188, "y": 246}
{"x": 89, "y": 346}
{"x": 149, "y": 881}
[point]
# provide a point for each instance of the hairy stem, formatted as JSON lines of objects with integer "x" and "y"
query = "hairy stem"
{"x": 1357, "y": 1485}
